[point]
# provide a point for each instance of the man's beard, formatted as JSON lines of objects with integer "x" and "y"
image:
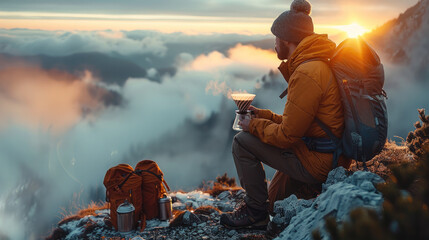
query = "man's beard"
{"x": 282, "y": 52}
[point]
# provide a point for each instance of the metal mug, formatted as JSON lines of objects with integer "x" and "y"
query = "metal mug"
{"x": 125, "y": 216}
{"x": 165, "y": 208}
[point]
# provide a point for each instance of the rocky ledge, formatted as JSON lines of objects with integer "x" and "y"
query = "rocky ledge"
{"x": 197, "y": 213}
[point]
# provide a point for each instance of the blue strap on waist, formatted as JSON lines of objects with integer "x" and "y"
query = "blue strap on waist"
{"x": 323, "y": 145}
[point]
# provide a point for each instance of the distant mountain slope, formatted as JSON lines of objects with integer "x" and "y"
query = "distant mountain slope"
{"x": 398, "y": 39}
{"x": 403, "y": 45}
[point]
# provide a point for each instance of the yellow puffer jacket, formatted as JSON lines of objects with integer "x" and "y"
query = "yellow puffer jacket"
{"x": 312, "y": 92}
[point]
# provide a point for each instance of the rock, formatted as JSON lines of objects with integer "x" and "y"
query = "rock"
{"x": 225, "y": 206}
{"x": 137, "y": 238}
{"x": 232, "y": 233}
{"x": 214, "y": 214}
{"x": 337, "y": 199}
{"x": 368, "y": 186}
{"x": 336, "y": 175}
{"x": 202, "y": 225}
{"x": 286, "y": 209}
{"x": 189, "y": 204}
{"x": 186, "y": 218}
{"x": 224, "y": 194}
{"x": 203, "y": 217}
{"x": 179, "y": 206}
{"x": 241, "y": 192}
{"x": 360, "y": 176}
{"x": 235, "y": 237}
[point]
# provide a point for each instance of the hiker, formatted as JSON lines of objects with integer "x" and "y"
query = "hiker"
{"x": 278, "y": 140}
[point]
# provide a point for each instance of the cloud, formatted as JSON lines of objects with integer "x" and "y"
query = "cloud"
{"x": 254, "y": 57}
{"x": 202, "y": 39}
{"x": 407, "y": 92}
{"x": 57, "y": 43}
{"x": 243, "y": 63}
{"x": 248, "y": 56}
{"x": 50, "y": 100}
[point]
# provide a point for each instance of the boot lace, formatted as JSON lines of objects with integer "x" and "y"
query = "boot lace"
{"x": 240, "y": 211}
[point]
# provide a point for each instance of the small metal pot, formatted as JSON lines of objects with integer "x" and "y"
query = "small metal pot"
{"x": 125, "y": 213}
{"x": 165, "y": 208}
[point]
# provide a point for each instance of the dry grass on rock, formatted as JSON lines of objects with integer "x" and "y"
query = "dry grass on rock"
{"x": 418, "y": 140}
{"x": 222, "y": 183}
{"x": 85, "y": 211}
{"x": 392, "y": 154}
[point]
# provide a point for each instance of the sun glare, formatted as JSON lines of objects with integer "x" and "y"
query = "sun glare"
{"x": 353, "y": 30}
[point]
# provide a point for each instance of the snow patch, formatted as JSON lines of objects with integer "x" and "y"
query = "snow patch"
{"x": 195, "y": 199}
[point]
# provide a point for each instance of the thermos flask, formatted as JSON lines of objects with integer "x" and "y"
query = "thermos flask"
{"x": 125, "y": 213}
{"x": 165, "y": 208}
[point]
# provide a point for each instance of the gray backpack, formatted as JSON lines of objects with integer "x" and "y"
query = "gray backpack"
{"x": 360, "y": 77}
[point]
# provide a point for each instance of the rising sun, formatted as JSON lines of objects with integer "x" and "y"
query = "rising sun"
{"x": 353, "y": 30}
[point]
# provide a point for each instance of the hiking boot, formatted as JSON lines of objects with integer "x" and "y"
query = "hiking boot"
{"x": 273, "y": 230}
{"x": 245, "y": 217}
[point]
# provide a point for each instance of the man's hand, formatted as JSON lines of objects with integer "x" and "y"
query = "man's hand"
{"x": 254, "y": 109}
{"x": 244, "y": 122}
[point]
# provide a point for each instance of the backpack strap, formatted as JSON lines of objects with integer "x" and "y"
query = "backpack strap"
{"x": 166, "y": 185}
{"x": 125, "y": 180}
{"x": 323, "y": 145}
{"x": 139, "y": 171}
{"x": 284, "y": 93}
{"x": 336, "y": 140}
{"x": 327, "y": 130}
{"x": 357, "y": 137}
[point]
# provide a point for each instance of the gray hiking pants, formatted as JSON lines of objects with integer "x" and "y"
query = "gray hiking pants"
{"x": 249, "y": 153}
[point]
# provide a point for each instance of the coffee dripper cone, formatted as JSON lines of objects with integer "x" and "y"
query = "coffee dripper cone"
{"x": 243, "y": 101}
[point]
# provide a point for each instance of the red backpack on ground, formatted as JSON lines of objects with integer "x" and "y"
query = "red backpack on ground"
{"x": 122, "y": 183}
{"x": 152, "y": 187}
{"x": 143, "y": 187}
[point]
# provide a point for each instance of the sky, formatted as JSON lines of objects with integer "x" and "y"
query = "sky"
{"x": 190, "y": 16}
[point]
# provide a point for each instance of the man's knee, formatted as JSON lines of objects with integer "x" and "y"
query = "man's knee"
{"x": 235, "y": 144}
{"x": 239, "y": 141}
{"x": 243, "y": 137}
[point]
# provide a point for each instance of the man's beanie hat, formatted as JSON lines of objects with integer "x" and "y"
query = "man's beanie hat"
{"x": 295, "y": 24}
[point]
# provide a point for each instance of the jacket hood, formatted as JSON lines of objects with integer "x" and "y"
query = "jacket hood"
{"x": 311, "y": 47}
